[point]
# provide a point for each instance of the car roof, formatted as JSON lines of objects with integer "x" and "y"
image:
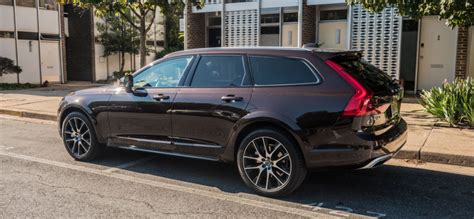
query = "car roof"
{"x": 278, "y": 51}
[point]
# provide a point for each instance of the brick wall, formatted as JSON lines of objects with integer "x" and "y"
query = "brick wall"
{"x": 461, "y": 53}
{"x": 309, "y": 24}
{"x": 195, "y": 29}
{"x": 80, "y": 44}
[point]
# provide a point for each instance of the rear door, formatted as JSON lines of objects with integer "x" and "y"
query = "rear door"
{"x": 206, "y": 110}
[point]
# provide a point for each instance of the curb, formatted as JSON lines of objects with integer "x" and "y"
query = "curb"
{"x": 451, "y": 159}
{"x": 28, "y": 114}
{"x": 430, "y": 157}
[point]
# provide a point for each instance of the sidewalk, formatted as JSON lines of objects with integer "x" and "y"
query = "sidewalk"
{"x": 431, "y": 143}
{"x": 426, "y": 141}
{"x": 38, "y": 103}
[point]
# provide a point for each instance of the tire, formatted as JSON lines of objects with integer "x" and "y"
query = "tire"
{"x": 79, "y": 137}
{"x": 281, "y": 165}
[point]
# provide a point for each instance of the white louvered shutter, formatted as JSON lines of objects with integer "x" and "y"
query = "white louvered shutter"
{"x": 241, "y": 28}
{"x": 379, "y": 36}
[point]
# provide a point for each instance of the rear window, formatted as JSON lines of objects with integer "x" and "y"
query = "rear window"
{"x": 281, "y": 71}
{"x": 366, "y": 74}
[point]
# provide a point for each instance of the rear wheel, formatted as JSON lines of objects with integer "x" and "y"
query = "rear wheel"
{"x": 79, "y": 137}
{"x": 270, "y": 163}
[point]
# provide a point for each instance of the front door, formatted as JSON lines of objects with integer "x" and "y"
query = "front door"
{"x": 215, "y": 37}
{"x": 205, "y": 112}
{"x": 437, "y": 53}
{"x": 142, "y": 118}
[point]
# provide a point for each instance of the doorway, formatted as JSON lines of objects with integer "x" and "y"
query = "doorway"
{"x": 408, "y": 54}
{"x": 215, "y": 37}
{"x": 437, "y": 53}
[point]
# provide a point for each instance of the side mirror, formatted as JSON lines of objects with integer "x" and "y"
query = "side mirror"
{"x": 128, "y": 83}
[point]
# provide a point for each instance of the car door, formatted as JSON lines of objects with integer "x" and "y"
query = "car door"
{"x": 142, "y": 118}
{"x": 206, "y": 110}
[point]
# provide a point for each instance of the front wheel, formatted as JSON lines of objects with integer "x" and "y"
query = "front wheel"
{"x": 79, "y": 137}
{"x": 270, "y": 163}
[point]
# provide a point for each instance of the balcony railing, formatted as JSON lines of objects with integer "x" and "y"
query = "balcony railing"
{"x": 238, "y": 1}
{"x": 211, "y": 2}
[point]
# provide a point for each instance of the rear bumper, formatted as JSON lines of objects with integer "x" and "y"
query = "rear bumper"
{"x": 361, "y": 150}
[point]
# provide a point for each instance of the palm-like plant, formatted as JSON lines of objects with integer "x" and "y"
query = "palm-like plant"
{"x": 452, "y": 102}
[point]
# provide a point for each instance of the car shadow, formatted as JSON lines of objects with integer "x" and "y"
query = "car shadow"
{"x": 391, "y": 191}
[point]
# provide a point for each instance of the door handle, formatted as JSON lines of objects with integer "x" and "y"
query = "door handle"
{"x": 231, "y": 97}
{"x": 160, "y": 97}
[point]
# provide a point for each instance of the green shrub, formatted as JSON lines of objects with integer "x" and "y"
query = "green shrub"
{"x": 452, "y": 102}
{"x": 6, "y": 86}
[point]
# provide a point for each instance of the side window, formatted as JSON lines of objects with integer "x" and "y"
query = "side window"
{"x": 164, "y": 74}
{"x": 219, "y": 71}
{"x": 281, "y": 71}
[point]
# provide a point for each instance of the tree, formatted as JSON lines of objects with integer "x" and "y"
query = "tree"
{"x": 172, "y": 12}
{"x": 173, "y": 38}
{"x": 456, "y": 12}
{"x": 118, "y": 37}
{"x": 144, "y": 12}
{"x": 7, "y": 67}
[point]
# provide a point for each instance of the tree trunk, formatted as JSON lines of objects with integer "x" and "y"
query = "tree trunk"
{"x": 142, "y": 41}
{"x": 122, "y": 63}
{"x": 165, "y": 31}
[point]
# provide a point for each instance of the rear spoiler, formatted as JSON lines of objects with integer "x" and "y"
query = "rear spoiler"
{"x": 326, "y": 54}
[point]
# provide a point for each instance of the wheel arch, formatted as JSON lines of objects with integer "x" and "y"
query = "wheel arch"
{"x": 249, "y": 124}
{"x": 76, "y": 108}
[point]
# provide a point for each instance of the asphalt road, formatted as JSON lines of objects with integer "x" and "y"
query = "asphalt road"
{"x": 39, "y": 179}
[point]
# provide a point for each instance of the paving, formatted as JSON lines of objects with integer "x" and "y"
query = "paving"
{"x": 427, "y": 141}
{"x": 39, "y": 179}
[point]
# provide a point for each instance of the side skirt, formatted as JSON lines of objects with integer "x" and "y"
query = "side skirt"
{"x": 157, "y": 151}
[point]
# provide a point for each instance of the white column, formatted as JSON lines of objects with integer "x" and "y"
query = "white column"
{"x": 300, "y": 23}
{"x": 39, "y": 41}
{"x": 15, "y": 33}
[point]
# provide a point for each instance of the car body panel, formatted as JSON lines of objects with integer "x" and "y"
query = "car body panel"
{"x": 202, "y": 121}
{"x": 195, "y": 122}
{"x": 94, "y": 103}
{"x": 142, "y": 120}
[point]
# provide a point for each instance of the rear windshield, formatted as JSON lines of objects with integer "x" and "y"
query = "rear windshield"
{"x": 368, "y": 75}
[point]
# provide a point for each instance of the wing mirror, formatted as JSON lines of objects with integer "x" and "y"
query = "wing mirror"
{"x": 128, "y": 83}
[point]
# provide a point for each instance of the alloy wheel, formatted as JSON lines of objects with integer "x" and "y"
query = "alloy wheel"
{"x": 77, "y": 136}
{"x": 267, "y": 164}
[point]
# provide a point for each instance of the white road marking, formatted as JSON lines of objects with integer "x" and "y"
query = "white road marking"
{"x": 376, "y": 214}
{"x": 129, "y": 164}
{"x": 3, "y": 147}
{"x": 194, "y": 191}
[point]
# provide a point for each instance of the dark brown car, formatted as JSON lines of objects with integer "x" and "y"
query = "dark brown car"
{"x": 275, "y": 112}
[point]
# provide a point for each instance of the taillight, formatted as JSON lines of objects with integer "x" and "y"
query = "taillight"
{"x": 360, "y": 102}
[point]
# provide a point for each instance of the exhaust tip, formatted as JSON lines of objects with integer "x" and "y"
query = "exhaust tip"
{"x": 377, "y": 161}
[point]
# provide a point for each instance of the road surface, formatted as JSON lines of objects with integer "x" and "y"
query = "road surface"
{"x": 39, "y": 179}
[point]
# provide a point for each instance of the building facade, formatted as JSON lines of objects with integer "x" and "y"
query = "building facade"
{"x": 30, "y": 35}
{"x": 421, "y": 53}
{"x": 56, "y": 43}
{"x": 85, "y": 54}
